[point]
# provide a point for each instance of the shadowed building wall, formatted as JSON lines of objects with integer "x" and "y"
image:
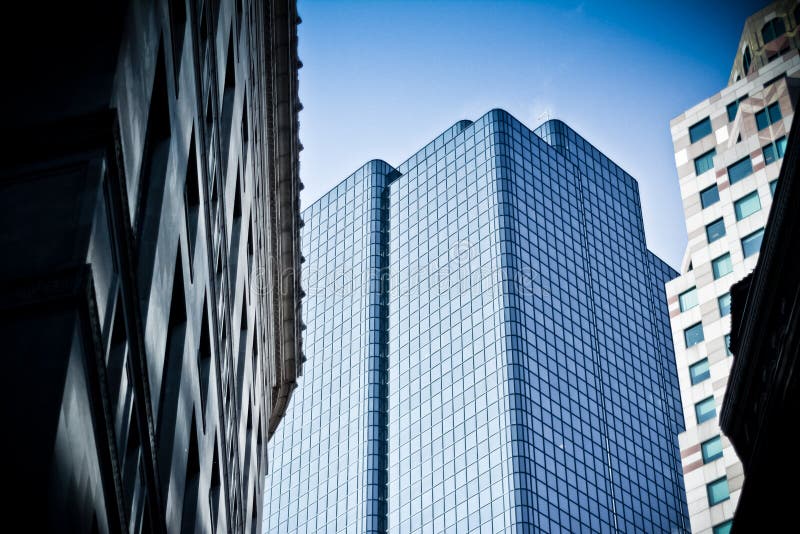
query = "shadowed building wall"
{"x": 149, "y": 314}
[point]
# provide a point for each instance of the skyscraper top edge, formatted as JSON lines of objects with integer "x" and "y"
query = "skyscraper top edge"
{"x": 463, "y": 127}
{"x": 370, "y": 166}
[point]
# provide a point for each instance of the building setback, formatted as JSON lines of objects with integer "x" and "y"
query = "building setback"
{"x": 149, "y": 201}
{"x": 728, "y": 153}
{"x": 488, "y": 347}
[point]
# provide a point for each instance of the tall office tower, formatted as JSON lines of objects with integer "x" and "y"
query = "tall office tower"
{"x": 488, "y": 348}
{"x": 148, "y": 198}
{"x": 728, "y": 151}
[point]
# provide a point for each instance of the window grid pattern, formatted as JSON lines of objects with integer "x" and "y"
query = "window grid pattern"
{"x": 520, "y": 371}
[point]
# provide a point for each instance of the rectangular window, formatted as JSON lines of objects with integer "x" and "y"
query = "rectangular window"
{"x": 723, "y": 528}
{"x": 715, "y": 230}
{"x": 774, "y": 151}
{"x": 712, "y": 449}
{"x": 727, "y": 340}
{"x": 693, "y": 335}
{"x": 774, "y": 111}
{"x": 772, "y": 185}
{"x": 769, "y": 115}
{"x": 724, "y": 304}
{"x": 704, "y": 162}
{"x": 770, "y": 153}
{"x": 747, "y": 205}
{"x": 709, "y": 195}
{"x": 733, "y": 107}
{"x": 705, "y": 410}
{"x": 688, "y": 299}
{"x": 699, "y": 371}
{"x": 740, "y": 170}
{"x": 700, "y": 130}
{"x": 752, "y": 243}
{"x": 781, "y": 144}
{"x": 718, "y": 491}
{"x": 722, "y": 265}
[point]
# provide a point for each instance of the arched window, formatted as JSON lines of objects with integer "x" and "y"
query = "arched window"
{"x": 746, "y": 60}
{"x": 772, "y": 30}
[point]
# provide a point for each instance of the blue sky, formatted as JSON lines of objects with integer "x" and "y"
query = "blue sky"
{"x": 382, "y": 78}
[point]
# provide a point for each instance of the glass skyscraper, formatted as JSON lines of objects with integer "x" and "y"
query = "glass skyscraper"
{"x": 488, "y": 348}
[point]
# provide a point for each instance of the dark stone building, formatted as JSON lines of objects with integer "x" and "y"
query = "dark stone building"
{"x": 150, "y": 319}
{"x": 762, "y": 402}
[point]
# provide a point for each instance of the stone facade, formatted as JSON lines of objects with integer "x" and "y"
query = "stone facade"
{"x": 726, "y": 209}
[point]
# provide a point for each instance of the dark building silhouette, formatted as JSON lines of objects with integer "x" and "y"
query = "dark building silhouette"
{"x": 150, "y": 321}
{"x": 762, "y": 402}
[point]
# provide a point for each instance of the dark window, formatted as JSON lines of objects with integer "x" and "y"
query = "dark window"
{"x": 191, "y": 197}
{"x": 724, "y": 303}
{"x": 214, "y": 489}
{"x": 245, "y": 136}
{"x": 724, "y": 528}
{"x": 733, "y": 107}
{"x": 203, "y": 31}
{"x": 740, "y": 170}
{"x": 715, "y": 230}
{"x": 693, "y": 335}
{"x": 236, "y": 231}
{"x": 769, "y": 115}
{"x": 709, "y": 195}
{"x": 772, "y": 30}
{"x": 204, "y": 359}
{"x": 192, "y": 485}
{"x": 700, "y": 130}
{"x": 171, "y": 374}
{"x": 746, "y": 60}
{"x": 776, "y": 78}
{"x": 704, "y": 162}
{"x": 772, "y": 185}
{"x": 177, "y": 13}
{"x": 228, "y": 93}
{"x": 153, "y": 176}
{"x": 117, "y": 355}
{"x": 774, "y": 151}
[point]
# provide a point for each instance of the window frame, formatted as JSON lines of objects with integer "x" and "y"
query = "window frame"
{"x": 709, "y": 189}
{"x": 693, "y": 328}
{"x": 748, "y": 238}
{"x": 724, "y": 312}
{"x": 709, "y": 415}
{"x": 716, "y": 261}
{"x": 714, "y": 484}
{"x": 692, "y": 291}
{"x": 714, "y": 226}
{"x": 716, "y": 456}
{"x": 740, "y": 213}
{"x": 736, "y": 168}
{"x": 734, "y": 106}
{"x": 702, "y": 376}
{"x": 700, "y": 130}
{"x": 705, "y": 156}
